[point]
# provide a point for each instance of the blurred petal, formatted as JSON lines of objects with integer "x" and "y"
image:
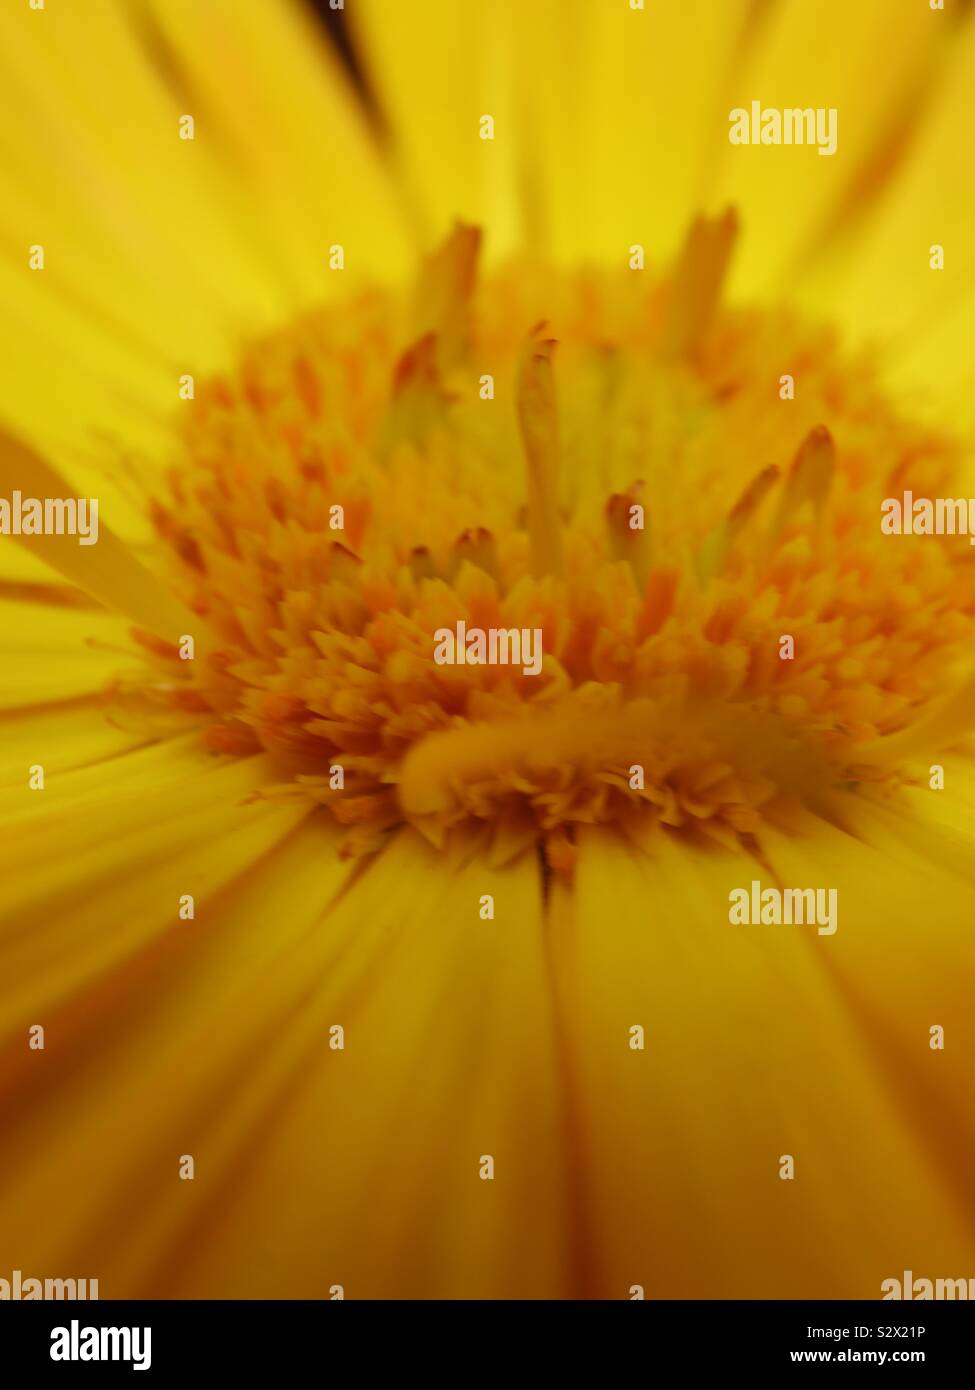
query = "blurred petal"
{"x": 161, "y": 252}
{"x": 57, "y": 653}
{"x": 615, "y": 151}
{"x": 368, "y": 1175}
{"x": 752, "y": 1052}
{"x": 439, "y": 68}
{"x": 177, "y": 1055}
{"x": 821, "y": 56}
{"x": 879, "y": 284}
{"x": 101, "y": 868}
{"x": 63, "y": 737}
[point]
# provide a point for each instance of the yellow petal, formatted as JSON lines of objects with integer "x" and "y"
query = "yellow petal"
{"x": 62, "y": 738}
{"x": 106, "y": 569}
{"x": 925, "y": 325}
{"x": 369, "y": 1175}
{"x": 817, "y": 56}
{"x": 166, "y": 1048}
{"x": 615, "y": 150}
{"x": 438, "y": 69}
{"x": 752, "y": 1052}
{"x": 292, "y": 137}
{"x": 100, "y": 871}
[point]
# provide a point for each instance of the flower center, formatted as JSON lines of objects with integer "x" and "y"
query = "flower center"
{"x": 723, "y": 629}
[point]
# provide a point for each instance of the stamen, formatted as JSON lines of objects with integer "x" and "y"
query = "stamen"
{"x": 538, "y": 419}
{"x": 444, "y": 292}
{"x": 696, "y": 286}
{"x": 751, "y": 499}
{"x": 475, "y": 547}
{"x": 810, "y": 478}
{"x": 712, "y": 553}
{"x": 418, "y": 396}
{"x": 421, "y": 563}
{"x": 626, "y": 542}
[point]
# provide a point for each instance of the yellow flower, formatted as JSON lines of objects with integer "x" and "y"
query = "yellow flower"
{"x": 332, "y": 962}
